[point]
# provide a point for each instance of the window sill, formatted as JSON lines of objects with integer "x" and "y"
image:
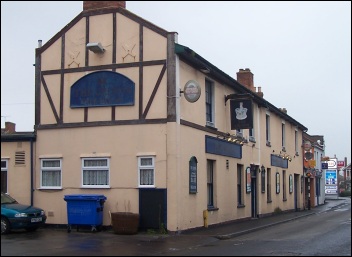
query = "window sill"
{"x": 49, "y": 188}
{"x": 269, "y": 201}
{"x": 210, "y": 208}
{"x": 96, "y": 187}
{"x": 241, "y": 205}
{"x": 144, "y": 186}
{"x": 284, "y": 199}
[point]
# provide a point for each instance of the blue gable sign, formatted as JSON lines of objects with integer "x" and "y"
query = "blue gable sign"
{"x": 102, "y": 88}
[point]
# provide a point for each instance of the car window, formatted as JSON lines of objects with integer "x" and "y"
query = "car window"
{"x": 5, "y": 199}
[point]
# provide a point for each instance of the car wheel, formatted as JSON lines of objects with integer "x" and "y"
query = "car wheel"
{"x": 5, "y": 226}
{"x": 31, "y": 229}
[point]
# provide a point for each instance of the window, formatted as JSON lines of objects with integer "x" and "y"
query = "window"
{"x": 4, "y": 167}
{"x": 209, "y": 103}
{"x": 210, "y": 183}
{"x": 51, "y": 170}
{"x": 146, "y": 171}
{"x": 95, "y": 172}
{"x": 240, "y": 181}
{"x": 283, "y": 136}
{"x": 267, "y": 125}
{"x": 277, "y": 182}
{"x": 296, "y": 141}
{"x": 284, "y": 185}
{"x": 290, "y": 181}
{"x": 317, "y": 186}
{"x": 268, "y": 185}
{"x": 262, "y": 176}
{"x": 251, "y": 135}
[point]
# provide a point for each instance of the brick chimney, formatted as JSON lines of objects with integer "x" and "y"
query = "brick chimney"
{"x": 245, "y": 77}
{"x": 10, "y": 127}
{"x": 94, "y": 5}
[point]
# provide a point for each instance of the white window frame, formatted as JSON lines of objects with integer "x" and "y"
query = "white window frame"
{"x": 267, "y": 127}
{"x": 148, "y": 167}
{"x": 251, "y": 135}
{"x": 96, "y": 168}
{"x": 6, "y": 169}
{"x": 211, "y": 123}
{"x": 283, "y": 135}
{"x": 44, "y": 169}
{"x": 296, "y": 141}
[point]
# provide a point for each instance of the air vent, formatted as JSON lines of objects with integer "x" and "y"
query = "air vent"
{"x": 20, "y": 158}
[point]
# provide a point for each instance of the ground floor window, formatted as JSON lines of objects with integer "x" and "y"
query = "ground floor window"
{"x": 268, "y": 185}
{"x": 51, "y": 173}
{"x": 210, "y": 183}
{"x": 95, "y": 172}
{"x": 4, "y": 167}
{"x": 146, "y": 171}
{"x": 240, "y": 185}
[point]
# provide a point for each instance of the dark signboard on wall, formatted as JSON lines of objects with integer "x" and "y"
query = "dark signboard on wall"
{"x": 193, "y": 175}
{"x": 277, "y": 161}
{"x": 241, "y": 114}
{"x": 222, "y": 147}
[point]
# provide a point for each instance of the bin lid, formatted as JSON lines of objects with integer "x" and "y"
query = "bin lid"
{"x": 84, "y": 197}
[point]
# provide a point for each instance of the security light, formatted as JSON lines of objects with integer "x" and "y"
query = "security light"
{"x": 95, "y": 47}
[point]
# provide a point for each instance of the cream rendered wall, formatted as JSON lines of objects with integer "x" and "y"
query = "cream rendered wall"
{"x": 75, "y": 47}
{"x": 122, "y": 144}
{"x": 225, "y": 192}
{"x": 18, "y": 175}
{"x": 294, "y": 167}
{"x": 100, "y": 28}
{"x": 127, "y": 40}
{"x": 53, "y": 86}
{"x": 52, "y": 57}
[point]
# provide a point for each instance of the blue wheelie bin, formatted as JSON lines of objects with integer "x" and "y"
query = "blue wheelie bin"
{"x": 85, "y": 209}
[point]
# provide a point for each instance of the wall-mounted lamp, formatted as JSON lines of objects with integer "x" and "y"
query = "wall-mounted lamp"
{"x": 284, "y": 156}
{"x": 233, "y": 138}
{"x": 96, "y": 48}
{"x": 262, "y": 169}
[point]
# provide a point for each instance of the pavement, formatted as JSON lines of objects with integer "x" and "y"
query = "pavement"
{"x": 106, "y": 242}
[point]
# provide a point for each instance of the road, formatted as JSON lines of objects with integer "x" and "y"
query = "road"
{"x": 323, "y": 233}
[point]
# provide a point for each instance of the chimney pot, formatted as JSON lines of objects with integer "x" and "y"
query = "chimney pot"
{"x": 10, "y": 127}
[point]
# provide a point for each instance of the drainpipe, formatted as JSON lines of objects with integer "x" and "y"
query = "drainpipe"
{"x": 32, "y": 172}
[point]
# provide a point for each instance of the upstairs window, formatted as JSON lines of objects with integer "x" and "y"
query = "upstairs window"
{"x": 209, "y": 103}
{"x": 267, "y": 129}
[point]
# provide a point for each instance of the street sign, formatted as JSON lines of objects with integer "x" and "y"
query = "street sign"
{"x": 324, "y": 165}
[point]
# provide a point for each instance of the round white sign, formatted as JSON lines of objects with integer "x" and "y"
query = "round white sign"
{"x": 192, "y": 91}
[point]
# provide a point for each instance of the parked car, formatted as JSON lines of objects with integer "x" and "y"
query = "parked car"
{"x": 19, "y": 216}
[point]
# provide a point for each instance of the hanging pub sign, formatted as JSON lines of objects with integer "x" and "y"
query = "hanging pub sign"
{"x": 241, "y": 114}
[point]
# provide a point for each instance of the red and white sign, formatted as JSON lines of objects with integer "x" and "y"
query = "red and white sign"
{"x": 340, "y": 164}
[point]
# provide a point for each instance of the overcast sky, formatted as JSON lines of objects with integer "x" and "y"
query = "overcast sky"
{"x": 299, "y": 53}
